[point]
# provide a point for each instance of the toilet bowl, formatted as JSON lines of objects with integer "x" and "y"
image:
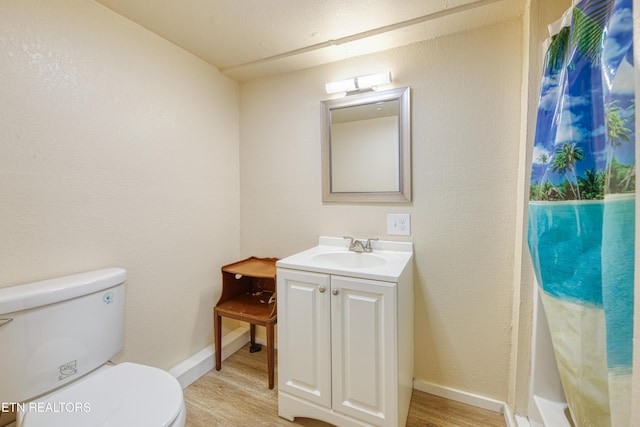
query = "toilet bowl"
{"x": 62, "y": 333}
{"x": 126, "y": 394}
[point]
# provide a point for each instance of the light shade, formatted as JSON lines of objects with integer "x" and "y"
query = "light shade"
{"x": 341, "y": 86}
{"x": 373, "y": 80}
{"x": 370, "y": 81}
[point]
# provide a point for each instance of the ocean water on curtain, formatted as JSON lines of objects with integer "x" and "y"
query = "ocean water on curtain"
{"x": 582, "y": 208}
{"x": 570, "y": 240}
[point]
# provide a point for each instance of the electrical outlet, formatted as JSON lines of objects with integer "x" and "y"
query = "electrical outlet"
{"x": 399, "y": 224}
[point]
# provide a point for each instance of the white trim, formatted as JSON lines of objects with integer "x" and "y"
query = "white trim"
{"x": 508, "y": 416}
{"x": 460, "y": 396}
{"x": 188, "y": 371}
{"x": 552, "y": 413}
{"x": 522, "y": 421}
{"x": 514, "y": 420}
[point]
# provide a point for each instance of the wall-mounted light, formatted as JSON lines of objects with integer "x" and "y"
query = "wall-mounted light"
{"x": 362, "y": 83}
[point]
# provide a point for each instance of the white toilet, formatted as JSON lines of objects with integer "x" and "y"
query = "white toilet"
{"x": 56, "y": 337}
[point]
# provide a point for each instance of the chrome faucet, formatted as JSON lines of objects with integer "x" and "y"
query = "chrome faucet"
{"x": 356, "y": 245}
{"x": 368, "y": 247}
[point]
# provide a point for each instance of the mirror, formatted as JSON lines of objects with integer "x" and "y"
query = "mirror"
{"x": 366, "y": 149}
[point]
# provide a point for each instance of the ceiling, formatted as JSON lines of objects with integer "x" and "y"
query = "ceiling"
{"x": 248, "y": 39}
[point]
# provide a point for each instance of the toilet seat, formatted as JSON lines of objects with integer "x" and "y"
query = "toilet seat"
{"x": 127, "y": 394}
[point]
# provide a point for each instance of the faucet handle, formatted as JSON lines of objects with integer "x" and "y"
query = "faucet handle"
{"x": 355, "y": 244}
{"x": 368, "y": 247}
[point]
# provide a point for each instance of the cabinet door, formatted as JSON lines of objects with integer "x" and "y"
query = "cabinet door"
{"x": 304, "y": 335}
{"x": 364, "y": 349}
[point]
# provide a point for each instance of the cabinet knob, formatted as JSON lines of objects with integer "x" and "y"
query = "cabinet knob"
{"x": 334, "y": 292}
{"x": 321, "y": 289}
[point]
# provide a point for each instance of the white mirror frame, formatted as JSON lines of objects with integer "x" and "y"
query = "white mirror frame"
{"x": 403, "y": 195}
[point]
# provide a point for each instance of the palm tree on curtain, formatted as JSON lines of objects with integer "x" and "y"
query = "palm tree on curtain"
{"x": 564, "y": 162}
{"x": 558, "y": 51}
{"x": 592, "y": 185}
{"x": 616, "y": 134}
{"x": 543, "y": 159}
{"x": 589, "y": 23}
{"x": 616, "y": 130}
{"x": 545, "y": 189}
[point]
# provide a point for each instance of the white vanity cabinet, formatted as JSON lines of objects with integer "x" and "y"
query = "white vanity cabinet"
{"x": 345, "y": 347}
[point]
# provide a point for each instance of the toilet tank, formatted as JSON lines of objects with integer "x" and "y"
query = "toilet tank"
{"x": 54, "y": 331}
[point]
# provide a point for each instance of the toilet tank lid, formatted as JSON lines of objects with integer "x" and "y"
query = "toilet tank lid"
{"x": 45, "y": 292}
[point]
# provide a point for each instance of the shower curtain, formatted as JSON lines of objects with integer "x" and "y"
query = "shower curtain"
{"x": 582, "y": 207}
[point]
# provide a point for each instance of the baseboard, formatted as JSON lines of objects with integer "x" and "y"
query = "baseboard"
{"x": 509, "y": 419}
{"x": 522, "y": 421}
{"x": 202, "y": 362}
{"x": 459, "y": 396}
{"x": 188, "y": 371}
{"x": 514, "y": 420}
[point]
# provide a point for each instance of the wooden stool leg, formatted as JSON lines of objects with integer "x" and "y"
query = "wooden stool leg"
{"x": 270, "y": 338}
{"x": 217, "y": 327}
{"x": 252, "y": 328}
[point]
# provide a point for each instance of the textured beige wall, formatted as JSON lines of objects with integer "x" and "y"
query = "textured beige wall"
{"x": 465, "y": 135}
{"x": 117, "y": 149}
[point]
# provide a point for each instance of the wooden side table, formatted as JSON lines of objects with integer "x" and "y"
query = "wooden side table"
{"x": 249, "y": 295}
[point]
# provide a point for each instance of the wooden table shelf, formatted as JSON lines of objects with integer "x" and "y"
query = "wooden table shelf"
{"x": 248, "y": 294}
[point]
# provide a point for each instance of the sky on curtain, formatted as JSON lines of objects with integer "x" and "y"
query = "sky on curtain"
{"x": 579, "y": 116}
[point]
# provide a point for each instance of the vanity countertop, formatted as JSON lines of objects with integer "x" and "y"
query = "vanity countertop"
{"x": 387, "y": 261}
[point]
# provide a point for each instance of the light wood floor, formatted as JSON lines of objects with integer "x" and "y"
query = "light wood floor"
{"x": 238, "y": 395}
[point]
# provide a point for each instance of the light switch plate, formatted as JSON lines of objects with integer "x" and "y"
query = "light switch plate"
{"x": 399, "y": 224}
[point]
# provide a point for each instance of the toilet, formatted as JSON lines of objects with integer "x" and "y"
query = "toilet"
{"x": 57, "y": 337}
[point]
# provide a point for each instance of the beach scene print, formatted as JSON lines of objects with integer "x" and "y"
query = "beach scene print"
{"x": 582, "y": 208}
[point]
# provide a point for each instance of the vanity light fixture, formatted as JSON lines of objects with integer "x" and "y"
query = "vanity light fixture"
{"x": 362, "y": 83}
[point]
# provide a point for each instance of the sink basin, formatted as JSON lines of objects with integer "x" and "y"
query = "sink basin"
{"x": 387, "y": 262}
{"x": 349, "y": 259}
